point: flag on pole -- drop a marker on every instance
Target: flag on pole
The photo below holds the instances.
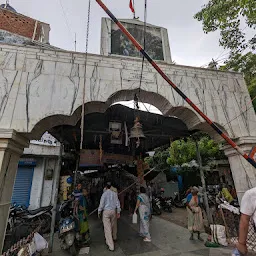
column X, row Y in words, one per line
column 131, row 6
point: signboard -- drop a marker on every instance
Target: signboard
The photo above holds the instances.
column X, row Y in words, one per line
column 27, row 162
column 47, row 140
column 90, row 157
column 116, row 133
column 121, row 45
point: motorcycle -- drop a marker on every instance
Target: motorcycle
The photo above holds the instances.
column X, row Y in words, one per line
column 69, row 235
column 156, row 206
column 177, row 202
column 166, row 204
column 19, row 216
column 22, row 222
column 38, row 217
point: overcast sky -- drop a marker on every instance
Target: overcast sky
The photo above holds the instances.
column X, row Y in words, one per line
column 189, row 45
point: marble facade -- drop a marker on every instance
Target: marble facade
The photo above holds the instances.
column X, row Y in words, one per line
column 42, row 88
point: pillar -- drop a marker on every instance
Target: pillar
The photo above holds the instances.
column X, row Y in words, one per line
column 244, row 174
column 11, row 148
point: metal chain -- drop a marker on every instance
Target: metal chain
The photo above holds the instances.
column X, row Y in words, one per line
column 85, row 69
column 144, row 43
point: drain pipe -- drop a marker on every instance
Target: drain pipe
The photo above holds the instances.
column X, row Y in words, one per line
column 54, row 210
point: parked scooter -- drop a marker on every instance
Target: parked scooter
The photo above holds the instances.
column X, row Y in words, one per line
column 69, row 235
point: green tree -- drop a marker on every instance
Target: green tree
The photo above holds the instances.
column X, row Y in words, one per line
column 228, row 17
column 159, row 160
column 184, row 151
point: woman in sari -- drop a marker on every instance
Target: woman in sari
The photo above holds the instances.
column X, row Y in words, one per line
column 83, row 217
column 195, row 217
column 143, row 204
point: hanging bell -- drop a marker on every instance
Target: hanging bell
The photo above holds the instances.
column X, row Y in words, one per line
column 136, row 130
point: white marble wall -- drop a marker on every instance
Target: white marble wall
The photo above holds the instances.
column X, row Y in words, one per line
column 37, row 83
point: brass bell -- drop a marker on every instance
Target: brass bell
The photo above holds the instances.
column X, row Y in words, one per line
column 136, row 130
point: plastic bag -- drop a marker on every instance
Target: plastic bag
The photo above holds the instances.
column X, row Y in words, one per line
column 135, row 218
column 219, row 232
column 40, row 242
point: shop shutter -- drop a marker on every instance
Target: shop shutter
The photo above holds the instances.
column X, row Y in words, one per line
column 22, row 186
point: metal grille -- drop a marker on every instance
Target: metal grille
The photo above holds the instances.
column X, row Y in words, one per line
column 231, row 221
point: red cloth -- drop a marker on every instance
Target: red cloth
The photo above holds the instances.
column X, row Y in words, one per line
column 131, row 6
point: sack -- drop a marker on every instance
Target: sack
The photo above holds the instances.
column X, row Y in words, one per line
column 219, row 232
column 135, row 218
column 40, row 242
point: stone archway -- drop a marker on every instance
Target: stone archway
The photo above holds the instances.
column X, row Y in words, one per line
column 40, row 88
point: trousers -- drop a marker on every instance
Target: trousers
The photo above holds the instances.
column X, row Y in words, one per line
column 109, row 219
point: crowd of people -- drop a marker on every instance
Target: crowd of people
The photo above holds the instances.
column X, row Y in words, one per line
column 111, row 203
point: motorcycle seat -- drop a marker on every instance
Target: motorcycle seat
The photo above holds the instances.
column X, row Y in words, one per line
column 36, row 211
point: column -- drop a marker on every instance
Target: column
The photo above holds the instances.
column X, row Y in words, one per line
column 11, row 148
column 244, row 174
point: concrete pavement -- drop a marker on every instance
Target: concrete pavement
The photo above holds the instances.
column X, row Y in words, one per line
column 167, row 239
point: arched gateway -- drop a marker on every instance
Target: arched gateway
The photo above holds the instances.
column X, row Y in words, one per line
column 42, row 88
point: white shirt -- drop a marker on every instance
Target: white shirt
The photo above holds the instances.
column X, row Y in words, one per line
column 109, row 201
column 248, row 203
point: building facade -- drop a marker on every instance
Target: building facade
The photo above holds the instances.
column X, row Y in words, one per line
column 34, row 183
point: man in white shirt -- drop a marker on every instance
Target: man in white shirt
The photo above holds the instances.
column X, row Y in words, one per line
column 110, row 206
column 248, row 211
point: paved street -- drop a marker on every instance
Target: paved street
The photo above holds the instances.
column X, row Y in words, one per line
column 167, row 239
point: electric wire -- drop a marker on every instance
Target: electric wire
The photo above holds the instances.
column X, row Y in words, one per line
column 251, row 101
column 66, row 21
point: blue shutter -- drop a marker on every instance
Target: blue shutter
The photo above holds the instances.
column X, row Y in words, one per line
column 22, row 186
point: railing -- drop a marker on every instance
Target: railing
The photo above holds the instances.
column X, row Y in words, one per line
column 230, row 220
column 20, row 244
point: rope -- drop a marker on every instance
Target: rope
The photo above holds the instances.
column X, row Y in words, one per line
column 144, row 44
column 85, row 69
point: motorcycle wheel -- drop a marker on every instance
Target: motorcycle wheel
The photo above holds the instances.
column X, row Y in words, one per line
column 157, row 211
column 46, row 228
column 73, row 250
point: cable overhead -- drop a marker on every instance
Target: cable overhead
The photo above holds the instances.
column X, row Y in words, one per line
column 251, row 101
column 144, row 45
column 67, row 22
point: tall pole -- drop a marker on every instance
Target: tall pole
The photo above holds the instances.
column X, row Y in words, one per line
column 76, row 170
column 199, row 160
column 54, row 210
column 168, row 80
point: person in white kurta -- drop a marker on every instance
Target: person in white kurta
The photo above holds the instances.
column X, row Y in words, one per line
column 110, row 206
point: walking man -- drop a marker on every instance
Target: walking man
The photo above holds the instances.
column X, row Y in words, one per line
column 110, row 210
